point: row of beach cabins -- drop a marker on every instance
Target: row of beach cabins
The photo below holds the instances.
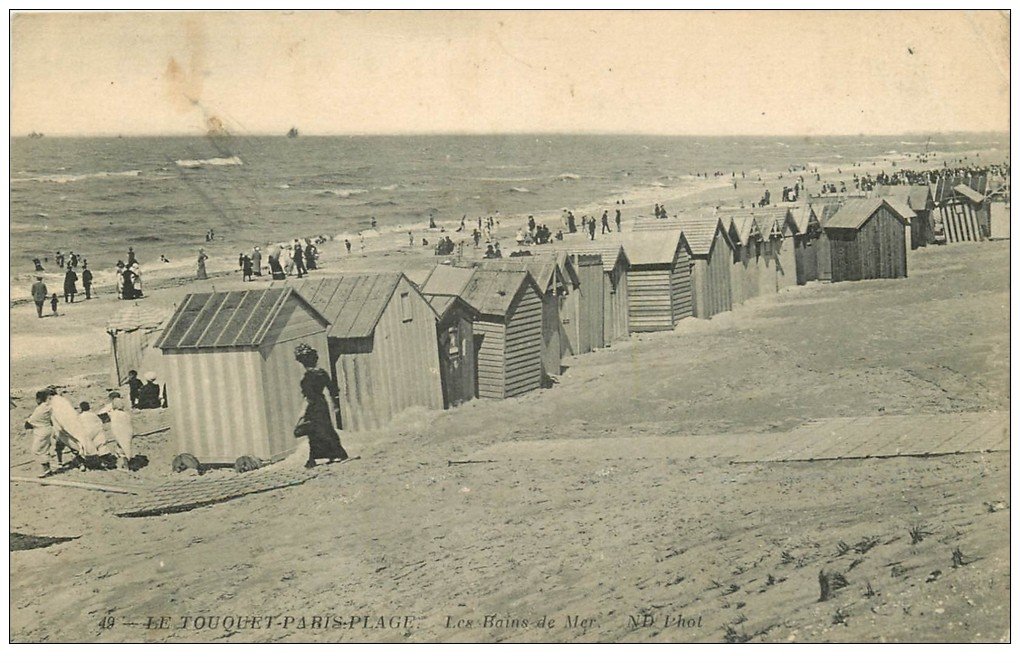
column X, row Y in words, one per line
column 493, row 328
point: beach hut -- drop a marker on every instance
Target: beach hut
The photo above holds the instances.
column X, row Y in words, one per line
column 658, row 280
column 753, row 271
column 919, row 199
column 779, row 246
column 614, row 291
column 231, row 377
column 457, row 353
column 961, row 208
column 824, row 210
column 710, row 249
column 509, row 325
column 132, row 332
column 998, row 213
column 867, row 240
column 382, row 345
column 545, row 270
column 589, row 302
column 806, row 229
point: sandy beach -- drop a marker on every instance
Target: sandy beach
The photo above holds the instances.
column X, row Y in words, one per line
column 601, row 524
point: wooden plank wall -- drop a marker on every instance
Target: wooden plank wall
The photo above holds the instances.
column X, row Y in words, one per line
column 786, row 261
column 959, row 224
column 768, row 283
column 712, row 289
column 400, row 371
column 590, row 304
column 524, row 345
column 614, row 294
column 491, row 366
column 806, row 255
column 650, row 301
column 876, row 250
column 681, row 286
column 551, row 352
column 824, row 253
column 569, row 329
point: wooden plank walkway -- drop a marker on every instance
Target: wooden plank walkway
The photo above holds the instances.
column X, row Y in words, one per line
column 827, row 439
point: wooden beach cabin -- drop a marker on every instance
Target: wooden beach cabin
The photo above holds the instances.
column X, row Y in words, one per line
column 457, row 353
column 658, row 281
column 779, row 249
column 545, row 270
column 614, row 292
column 807, row 230
column 961, row 209
column 508, row 331
column 132, row 332
column 825, row 210
column 919, row 199
column 382, row 345
column 748, row 269
column 710, row 249
column 231, row 377
column 867, row 240
column 587, row 312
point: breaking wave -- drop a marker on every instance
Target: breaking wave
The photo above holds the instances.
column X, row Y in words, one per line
column 216, row 161
column 64, row 179
column 342, row 193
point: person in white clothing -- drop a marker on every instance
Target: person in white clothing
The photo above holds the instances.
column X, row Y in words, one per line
column 123, row 432
column 95, row 436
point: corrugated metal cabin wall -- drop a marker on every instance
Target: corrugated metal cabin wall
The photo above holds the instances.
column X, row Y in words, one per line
column 126, row 354
column 700, row 289
column 220, row 413
column 786, row 262
column 281, row 389
column 737, row 294
column 719, row 263
column 353, row 368
column 523, row 344
column 403, row 363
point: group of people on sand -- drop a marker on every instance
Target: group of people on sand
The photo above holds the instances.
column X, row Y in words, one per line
column 282, row 260
column 129, row 277
column 58, row 429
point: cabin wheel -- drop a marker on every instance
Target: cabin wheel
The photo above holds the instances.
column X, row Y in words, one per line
column 247, row 464
column 184, row 462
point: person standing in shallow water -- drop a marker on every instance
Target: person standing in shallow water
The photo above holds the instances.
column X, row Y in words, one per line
column 316, row 423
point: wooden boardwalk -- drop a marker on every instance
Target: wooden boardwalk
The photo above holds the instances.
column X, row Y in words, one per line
column 826, row 439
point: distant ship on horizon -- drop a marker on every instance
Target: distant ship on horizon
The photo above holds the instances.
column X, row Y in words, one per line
column 35, row 134
column 293, row 133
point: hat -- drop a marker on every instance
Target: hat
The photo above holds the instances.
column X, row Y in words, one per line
column 150, row 376
column 117, row 404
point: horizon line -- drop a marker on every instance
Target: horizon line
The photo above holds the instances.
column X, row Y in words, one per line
column 283, row 134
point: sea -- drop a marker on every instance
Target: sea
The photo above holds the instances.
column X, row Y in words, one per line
column 159, row 195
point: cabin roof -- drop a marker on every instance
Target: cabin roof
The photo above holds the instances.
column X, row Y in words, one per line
column 226, row 319
column 443, row 304
column 652, row 247
column 853, row 213
column 609, row 253
column 351, row 303
column 901, row 207
column 801, row 216
column 916, row 196
column 135, row 317
column 490, row 291
column 544, row 267
column 969, row 193
column 744, row 225
column 700, row 234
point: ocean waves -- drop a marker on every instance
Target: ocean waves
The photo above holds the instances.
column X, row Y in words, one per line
column 215, row 161
column 67, row 179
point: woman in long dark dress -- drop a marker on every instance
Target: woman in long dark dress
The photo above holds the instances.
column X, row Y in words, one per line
column 315, row 423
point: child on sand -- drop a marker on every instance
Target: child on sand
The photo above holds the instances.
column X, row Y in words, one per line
column 53, row 303
column 40, row 424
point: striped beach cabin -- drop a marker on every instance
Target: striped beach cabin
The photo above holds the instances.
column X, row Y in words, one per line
column 961, row 208
column 711, row 254
column 231, row 377
column 658, row 281
column 382, row 345
column 508, row 330
column 132, row 332
column 868, row 240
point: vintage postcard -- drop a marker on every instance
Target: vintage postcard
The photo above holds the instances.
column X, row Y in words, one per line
column 509, row 326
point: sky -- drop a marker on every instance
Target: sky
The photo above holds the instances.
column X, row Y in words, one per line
column 703, row 73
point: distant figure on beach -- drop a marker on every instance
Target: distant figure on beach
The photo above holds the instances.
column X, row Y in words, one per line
column 127, row 290
column 361, row 238
column 53, row 303
column 256, row 261
column 246, row 270
column 373, row 223
column 131, row 256
column 38, row 265
column 202, row 257
column 39, row 294
column 618, row 220
column 86, row 280
column 571, row 222
column 316, row 423
column 476, row 235
column 70, row 289
column 163, row 258
column 432, row 221
column 60, row 260
column 275, row 268
column 410, row 238
column 605, row 222
column 311, row 256
column 347, row 243
column 298, row 257
column 591, row 228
